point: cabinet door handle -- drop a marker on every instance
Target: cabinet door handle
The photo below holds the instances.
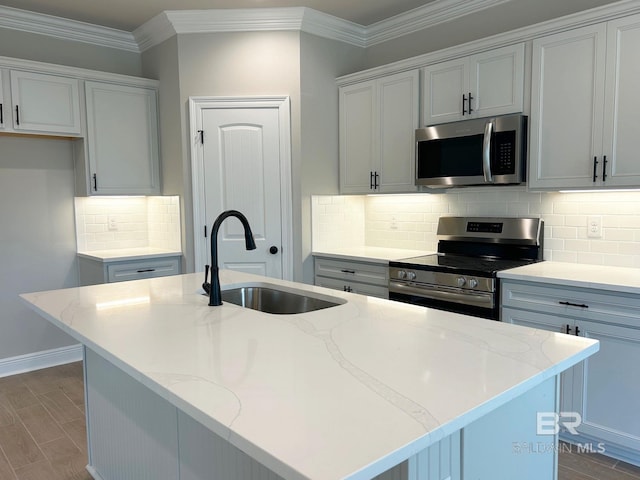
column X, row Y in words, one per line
column 344, row 270
column 17, row 115
column 595, row 167
column 375, row 180
column 464, row 100
column 581, row 305
column 577, row 330
column 567, row 329
column 604, row 168
column 470, row 98
column 95, row 182
column 371, row 180
column 146, row 270
column 1, row 115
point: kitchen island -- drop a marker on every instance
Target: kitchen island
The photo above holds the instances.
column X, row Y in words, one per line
column 178, row 389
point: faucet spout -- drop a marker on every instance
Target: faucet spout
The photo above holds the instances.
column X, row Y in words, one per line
column 215, row 296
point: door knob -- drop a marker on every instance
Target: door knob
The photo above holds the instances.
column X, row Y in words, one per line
column 273, row 250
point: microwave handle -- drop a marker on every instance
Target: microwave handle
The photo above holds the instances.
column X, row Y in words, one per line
column 486, row 152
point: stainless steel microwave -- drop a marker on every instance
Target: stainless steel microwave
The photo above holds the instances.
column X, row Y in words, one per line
column 482, row 151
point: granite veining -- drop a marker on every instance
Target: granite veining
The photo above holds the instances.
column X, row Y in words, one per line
column 344, row 392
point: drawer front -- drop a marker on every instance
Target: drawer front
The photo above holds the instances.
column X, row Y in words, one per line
column 353, row 287
column 581, row 303
column 158, row 267
column 372, row 273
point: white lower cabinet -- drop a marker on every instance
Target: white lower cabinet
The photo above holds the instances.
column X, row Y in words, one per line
column 358, row 277
column 93, row 271
column 605, row 388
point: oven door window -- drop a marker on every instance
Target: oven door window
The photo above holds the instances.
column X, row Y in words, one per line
column 450, row 157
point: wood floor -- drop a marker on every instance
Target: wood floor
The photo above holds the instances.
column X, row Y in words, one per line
column 42, row 432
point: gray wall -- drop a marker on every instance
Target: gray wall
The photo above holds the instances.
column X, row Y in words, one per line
column 41, row 48
column 37, row 238
column 502, row 18
column 321, row 61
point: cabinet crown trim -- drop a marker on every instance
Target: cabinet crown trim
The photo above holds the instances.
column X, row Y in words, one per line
column 67, row 29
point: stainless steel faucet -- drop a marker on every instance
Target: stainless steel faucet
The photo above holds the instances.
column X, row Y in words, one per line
column 215, row 296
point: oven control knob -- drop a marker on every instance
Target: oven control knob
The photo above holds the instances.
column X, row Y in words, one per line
column 473, row 283
column 462, row 281
column 402, row 274
column 411, row 275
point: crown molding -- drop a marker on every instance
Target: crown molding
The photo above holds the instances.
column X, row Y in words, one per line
column 64, row 29
column 430, row 15
column 173, row 22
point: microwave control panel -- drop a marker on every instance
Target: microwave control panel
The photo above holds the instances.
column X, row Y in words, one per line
column 503, row 161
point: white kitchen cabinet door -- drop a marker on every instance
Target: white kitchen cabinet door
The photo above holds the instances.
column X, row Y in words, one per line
column 122, row 139
column 567, row 101
column 378, row 119
column 3, row 106
column 482, row 85
column 497, row 81
column 444, row 85
column 45, row 103
column 607, row 385
column 398, row 110
column 622, row 104
column 358, row 145
column 550, row 323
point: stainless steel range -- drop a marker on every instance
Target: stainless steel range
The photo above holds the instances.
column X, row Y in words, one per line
column 462, row 276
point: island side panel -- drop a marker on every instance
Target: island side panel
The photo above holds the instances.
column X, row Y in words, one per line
column 131, row 430
column 504, row 443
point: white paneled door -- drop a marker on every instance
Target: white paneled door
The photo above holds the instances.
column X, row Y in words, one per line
column 243, row 157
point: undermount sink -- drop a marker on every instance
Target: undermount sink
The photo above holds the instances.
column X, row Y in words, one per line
column 276, row 300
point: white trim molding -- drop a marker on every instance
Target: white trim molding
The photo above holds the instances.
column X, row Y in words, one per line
column 283, row 104
column 66, row 29
column 39, row 360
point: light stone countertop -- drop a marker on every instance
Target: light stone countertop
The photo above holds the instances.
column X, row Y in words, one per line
column 345, row 392
column 128, row 254
column 381, row 255
column 617, row 279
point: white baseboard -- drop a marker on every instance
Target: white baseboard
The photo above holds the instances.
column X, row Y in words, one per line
column 39, row 360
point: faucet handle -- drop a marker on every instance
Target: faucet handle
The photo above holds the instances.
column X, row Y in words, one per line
column 206, row 286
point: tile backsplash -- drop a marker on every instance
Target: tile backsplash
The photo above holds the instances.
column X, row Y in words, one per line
column 107, row 223
column 410, row 221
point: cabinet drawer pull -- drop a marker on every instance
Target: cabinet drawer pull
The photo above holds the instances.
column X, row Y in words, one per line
column 344, row 270
column 146, row 270
column 581, row 305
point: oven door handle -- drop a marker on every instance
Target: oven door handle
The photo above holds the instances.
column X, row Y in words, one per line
column 435, row 292
column 486, row 152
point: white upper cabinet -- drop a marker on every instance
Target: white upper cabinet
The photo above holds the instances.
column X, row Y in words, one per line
column 482, row 85
column 377, row 123
column 42, row 103
column 622, row 104
column 122, row 140
column 584, row 105
column 3, row 105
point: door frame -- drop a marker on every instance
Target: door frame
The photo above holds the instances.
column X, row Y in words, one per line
column 196, row 105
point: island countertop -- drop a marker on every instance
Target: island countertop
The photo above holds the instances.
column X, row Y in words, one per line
column 344, row 392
